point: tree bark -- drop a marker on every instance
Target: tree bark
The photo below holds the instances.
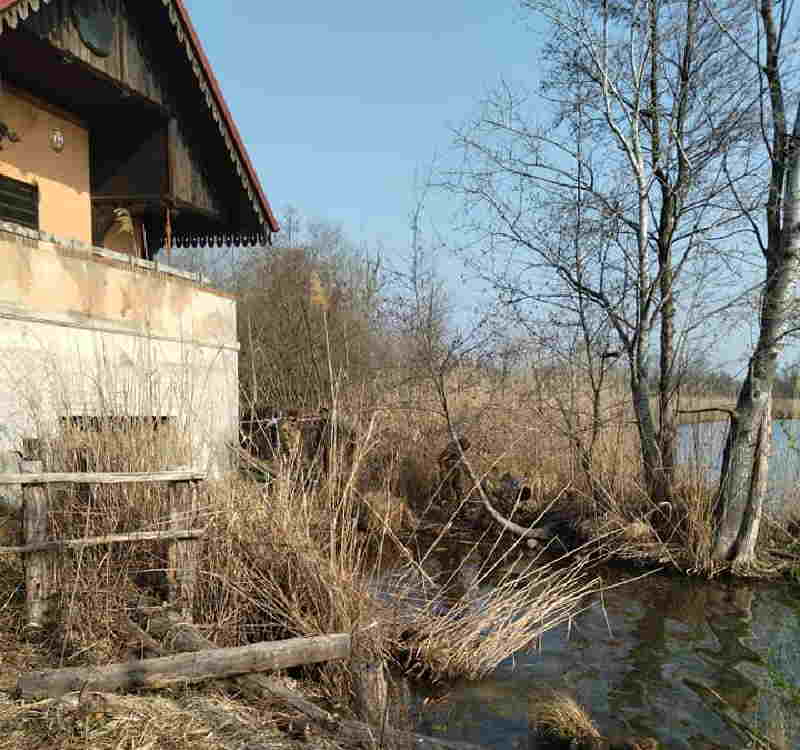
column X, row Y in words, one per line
column 751, row 522
column 648, row 439
column 186, row 668
column 741, row 495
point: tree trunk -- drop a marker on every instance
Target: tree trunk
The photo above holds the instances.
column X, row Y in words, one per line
column 751, row 522
column 745, row 462
column 667, row 427
column 652, row 473
column 740, row 498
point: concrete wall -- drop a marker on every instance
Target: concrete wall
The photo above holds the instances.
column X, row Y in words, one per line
column 84, row 334
column 63, row 178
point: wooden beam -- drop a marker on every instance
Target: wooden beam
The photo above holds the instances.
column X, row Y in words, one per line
column 182, row 553
column 38, row 563
column 172, row 144
column 96, row 541
column 185, row 668
column 186, row 475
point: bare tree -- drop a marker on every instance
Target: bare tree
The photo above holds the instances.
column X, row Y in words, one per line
column 432, row 345
column 653, row 124
column 744, row 468
column 309, row 317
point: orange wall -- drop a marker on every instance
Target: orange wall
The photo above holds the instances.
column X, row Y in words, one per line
column 41, row 280
column 63, row 178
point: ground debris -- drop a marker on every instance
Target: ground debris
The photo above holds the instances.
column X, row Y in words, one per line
column 104, row 721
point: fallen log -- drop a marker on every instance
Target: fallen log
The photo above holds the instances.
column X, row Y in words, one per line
column 186, row 668
column 177, row 634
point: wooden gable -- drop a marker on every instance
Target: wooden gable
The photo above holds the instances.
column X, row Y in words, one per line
column 162, row 138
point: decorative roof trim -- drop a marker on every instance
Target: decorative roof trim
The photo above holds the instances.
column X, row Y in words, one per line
column 14, row 11
column 187, row 37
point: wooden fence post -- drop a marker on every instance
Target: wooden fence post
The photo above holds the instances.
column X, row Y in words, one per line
column 182, row 553
column 38, row 565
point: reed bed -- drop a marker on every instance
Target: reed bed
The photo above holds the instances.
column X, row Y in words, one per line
column 293, row 556
column 349, row 547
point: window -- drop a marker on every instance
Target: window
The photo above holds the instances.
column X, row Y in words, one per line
column 19, row 202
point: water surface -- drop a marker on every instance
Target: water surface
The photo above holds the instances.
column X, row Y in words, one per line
column 701, row 445
column 698, row 665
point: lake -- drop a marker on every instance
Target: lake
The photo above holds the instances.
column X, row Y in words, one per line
column 701, row 445
column 695, row 664
column 699, row 665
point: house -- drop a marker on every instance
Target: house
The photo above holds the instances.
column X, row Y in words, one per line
column 116, row 145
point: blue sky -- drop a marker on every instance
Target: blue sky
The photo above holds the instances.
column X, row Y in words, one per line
column 340, row 104
column 343, row 105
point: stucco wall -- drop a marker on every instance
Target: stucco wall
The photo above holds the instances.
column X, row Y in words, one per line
column 62, row 178
column 77, row 287
column 86, row 337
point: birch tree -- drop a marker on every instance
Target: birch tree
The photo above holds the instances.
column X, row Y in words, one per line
column 745, row 459
column 666, row 125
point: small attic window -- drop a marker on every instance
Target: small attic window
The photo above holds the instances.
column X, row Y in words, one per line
column 19, row 202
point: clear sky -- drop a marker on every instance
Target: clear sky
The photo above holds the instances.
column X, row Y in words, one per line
column 340, row 104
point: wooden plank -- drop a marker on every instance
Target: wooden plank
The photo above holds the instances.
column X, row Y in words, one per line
column 38, row 564
column 183, row 551
column 183, row 475
column 172, row 146
column 96, row 541
column 186, row 668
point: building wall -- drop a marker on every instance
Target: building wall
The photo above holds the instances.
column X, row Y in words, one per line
column 63, row 178
column 82, row 335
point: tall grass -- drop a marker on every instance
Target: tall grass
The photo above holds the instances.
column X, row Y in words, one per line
column 311, row 551
column 314, row 551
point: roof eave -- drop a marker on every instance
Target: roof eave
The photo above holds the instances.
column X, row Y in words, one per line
column 226, row 113
column 194, row 48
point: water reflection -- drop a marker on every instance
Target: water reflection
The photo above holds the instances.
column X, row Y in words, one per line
column 680, row 660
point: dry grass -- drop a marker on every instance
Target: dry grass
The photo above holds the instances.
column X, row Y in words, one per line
column 557, row 715
column 632, row 527
column 501, row 614
column 297, row 559
column 288, row 558
column 516, row 424
column 711, row 408
column 309, row 553
column 197, row 722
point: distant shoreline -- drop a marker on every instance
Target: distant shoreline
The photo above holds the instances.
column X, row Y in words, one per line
column 782, row 408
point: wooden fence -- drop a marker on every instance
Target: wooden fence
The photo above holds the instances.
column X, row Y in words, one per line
column 38, row 552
